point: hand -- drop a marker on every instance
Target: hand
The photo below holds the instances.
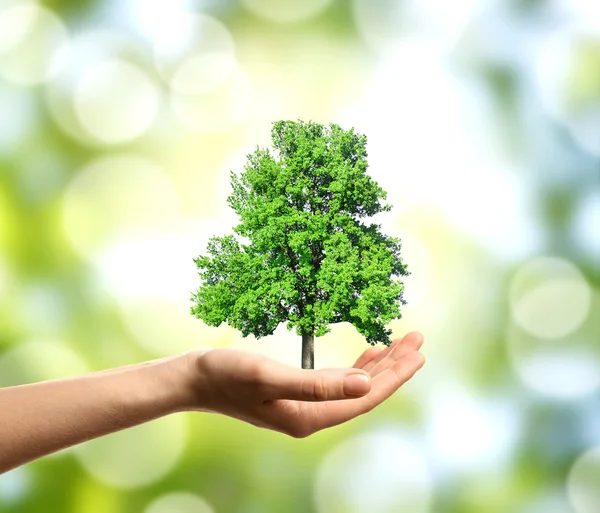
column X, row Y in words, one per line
column 268, row 394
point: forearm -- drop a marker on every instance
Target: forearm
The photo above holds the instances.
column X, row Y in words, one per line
column 41, row 418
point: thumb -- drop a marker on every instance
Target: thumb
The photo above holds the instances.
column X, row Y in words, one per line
column 323, row 385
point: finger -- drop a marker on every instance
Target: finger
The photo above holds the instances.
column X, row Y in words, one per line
column 410, row 342
column 366, row 357
column 323, row 385
column 413, row 341
column 383, row 386
column 382, row 354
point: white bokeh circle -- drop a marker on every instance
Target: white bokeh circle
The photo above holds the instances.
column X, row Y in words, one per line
column 549, row 297
column 138, row 456
column 379, row 471
column 465, row 432
column 203, row 73
column 154, row 20
column 34, row 43
column 286, row 11
column 220, row 109
column 116, row 197
column 195, row 54
column 179, row 502
column 583, row 482
column 564, row 369
column 116, row 101
column 562, row 375
column 89, row 51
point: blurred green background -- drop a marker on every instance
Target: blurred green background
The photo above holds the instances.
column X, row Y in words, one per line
column 119, row 123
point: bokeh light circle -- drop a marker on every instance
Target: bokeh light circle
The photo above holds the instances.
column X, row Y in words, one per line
column 380, row 472
column 179, row 502
column 115, row 101
column 203, row 73
column 583, row 482
column 33, row 43
column 137, row 456
column 154, row 20
column 549, row 297
column 562, row 375
column 89, row 51
column 286, row 11
column 218, row 110
column 465, row 432
column 40, row 359
column 561, row 369
column 115, row 197
column 195, row 54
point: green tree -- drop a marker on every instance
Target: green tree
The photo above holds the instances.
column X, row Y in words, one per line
column 306, row 257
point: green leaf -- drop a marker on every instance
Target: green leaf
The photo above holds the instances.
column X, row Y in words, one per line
column 310, row 260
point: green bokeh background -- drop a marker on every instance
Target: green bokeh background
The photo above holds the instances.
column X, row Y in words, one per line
column 483, row 120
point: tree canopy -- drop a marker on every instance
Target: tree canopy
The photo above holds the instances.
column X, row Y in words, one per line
column 303, row 252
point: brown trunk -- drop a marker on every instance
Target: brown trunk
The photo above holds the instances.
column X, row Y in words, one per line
column 308, row 351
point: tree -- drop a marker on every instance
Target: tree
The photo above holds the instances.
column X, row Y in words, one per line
column 306, row 257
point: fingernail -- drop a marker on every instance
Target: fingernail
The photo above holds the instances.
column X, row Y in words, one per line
column 357, row 384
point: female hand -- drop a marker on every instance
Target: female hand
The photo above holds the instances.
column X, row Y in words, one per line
column 263, row 392
column 40, row 418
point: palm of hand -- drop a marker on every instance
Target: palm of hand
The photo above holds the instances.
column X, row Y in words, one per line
column 268, row 394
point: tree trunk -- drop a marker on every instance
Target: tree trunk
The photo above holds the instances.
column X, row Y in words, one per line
column 308, row 351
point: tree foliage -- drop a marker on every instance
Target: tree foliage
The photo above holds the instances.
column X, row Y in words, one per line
column 302, row 252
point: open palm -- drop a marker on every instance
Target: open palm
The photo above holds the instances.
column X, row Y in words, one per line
column 269, row 394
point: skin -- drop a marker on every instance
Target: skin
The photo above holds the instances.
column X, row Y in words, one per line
column 41, row 418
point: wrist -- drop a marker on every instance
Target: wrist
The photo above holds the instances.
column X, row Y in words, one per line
column 155, row 388
column 174, row 383
column 195, row 392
